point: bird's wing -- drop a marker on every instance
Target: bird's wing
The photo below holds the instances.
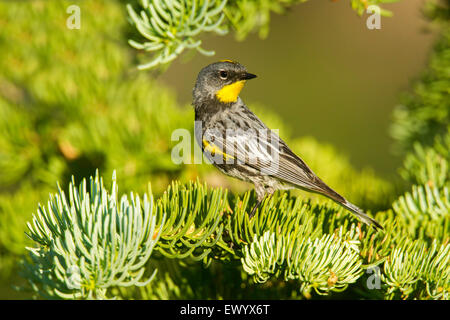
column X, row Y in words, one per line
column 271, row 156
column 264, row 151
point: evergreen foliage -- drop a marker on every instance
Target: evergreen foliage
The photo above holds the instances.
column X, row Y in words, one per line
column 319, row 246
column 425, row 112
column 91, row 242
column 168, row 27
column 430, row 164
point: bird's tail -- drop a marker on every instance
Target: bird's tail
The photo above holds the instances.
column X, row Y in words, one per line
column 322, row 188
column 360, row 214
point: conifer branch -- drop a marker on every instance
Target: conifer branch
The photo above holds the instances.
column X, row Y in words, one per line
column 288, row 239
column 91, row 241
column 168, row 27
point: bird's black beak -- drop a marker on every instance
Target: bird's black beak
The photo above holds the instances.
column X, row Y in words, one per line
column 248, row 76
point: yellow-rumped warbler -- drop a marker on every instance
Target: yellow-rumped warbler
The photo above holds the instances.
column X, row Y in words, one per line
column 242, row 146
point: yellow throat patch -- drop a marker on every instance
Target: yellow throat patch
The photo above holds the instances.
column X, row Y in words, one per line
column 230, row 92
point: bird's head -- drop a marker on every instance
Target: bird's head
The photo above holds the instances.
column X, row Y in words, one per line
column 222, row 81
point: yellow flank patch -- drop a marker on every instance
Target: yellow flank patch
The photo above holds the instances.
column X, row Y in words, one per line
column 212, row 149
column 230, row 92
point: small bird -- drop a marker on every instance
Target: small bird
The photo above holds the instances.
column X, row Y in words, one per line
column 240, row 145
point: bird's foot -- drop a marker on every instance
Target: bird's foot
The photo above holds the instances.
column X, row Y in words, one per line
column 252, row 213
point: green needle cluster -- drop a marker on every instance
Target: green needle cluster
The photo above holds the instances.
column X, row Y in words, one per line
column 91, row 241
column 319, row 246
column 171, row 26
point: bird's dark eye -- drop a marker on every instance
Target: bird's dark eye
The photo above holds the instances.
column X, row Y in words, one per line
column 223, row 74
